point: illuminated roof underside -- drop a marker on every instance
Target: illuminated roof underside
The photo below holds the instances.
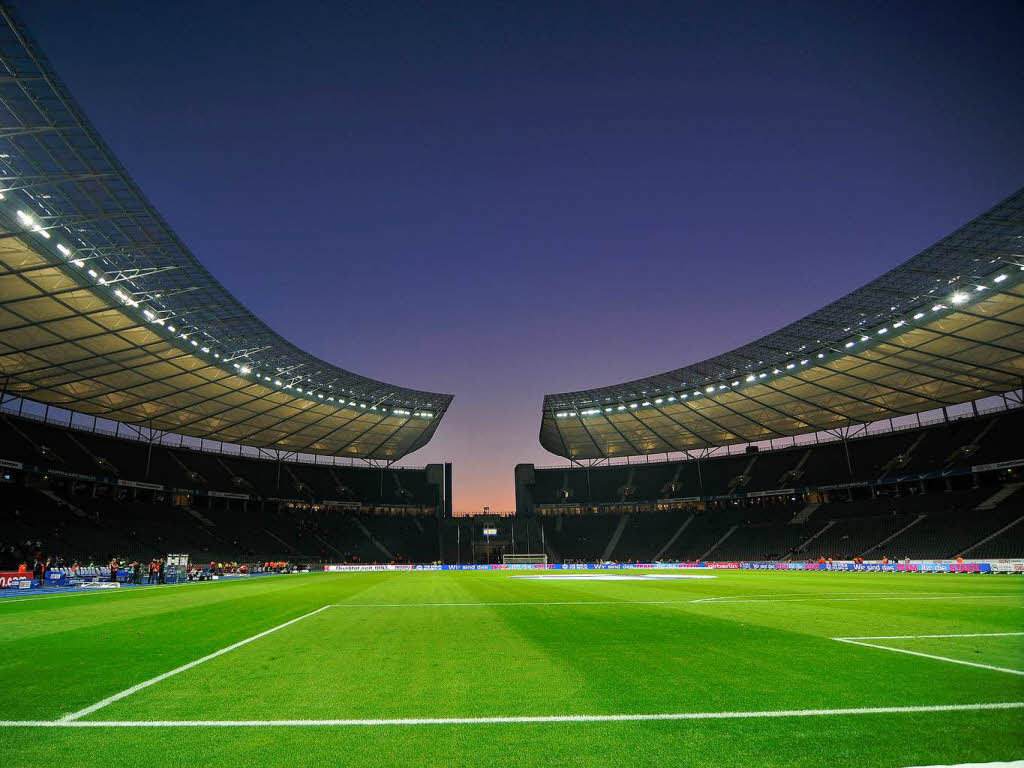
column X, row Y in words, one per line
column 945, row 327
column 103, row 310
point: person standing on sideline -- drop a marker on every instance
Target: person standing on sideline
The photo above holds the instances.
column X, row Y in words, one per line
column 160, row 562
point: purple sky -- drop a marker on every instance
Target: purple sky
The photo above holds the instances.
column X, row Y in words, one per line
column 501, row 202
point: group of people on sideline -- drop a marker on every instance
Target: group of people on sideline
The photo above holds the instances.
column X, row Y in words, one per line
column 154, row 571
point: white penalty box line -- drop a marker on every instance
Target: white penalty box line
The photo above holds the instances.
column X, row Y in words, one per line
column 525, row 719
column 864, row 642
column 74, row 716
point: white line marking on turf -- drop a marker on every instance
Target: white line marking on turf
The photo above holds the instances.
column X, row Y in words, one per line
column 703, row 601
column 611, row 576
column 93, row 593
column 920, row 637
column 153, row 681
column 1014, row 764
column 515, row 719
column 132, row 590
column 1007, row 670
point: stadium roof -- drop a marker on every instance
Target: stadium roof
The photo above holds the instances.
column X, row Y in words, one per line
column 945, row 327
column 103, row 309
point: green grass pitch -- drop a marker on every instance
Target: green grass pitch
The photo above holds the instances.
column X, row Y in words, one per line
column 401, row 646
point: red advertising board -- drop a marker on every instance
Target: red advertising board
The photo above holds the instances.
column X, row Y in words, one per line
column 7, row 576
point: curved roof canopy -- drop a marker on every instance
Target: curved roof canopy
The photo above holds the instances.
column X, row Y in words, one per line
column 103, row 309
column 945, row 327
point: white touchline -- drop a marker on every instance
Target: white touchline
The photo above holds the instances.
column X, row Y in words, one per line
column 701, row 601
column 128, row 590
column 921, row 637
column 93, row 593
column 1007, row 670
column 513, row 719
column 153, row 681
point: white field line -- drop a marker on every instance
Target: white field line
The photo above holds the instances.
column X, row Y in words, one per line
column 975, row 664
column 921, row 637
column 413, row 721
column 131, row 590
column 94, row 593
column 153, row 681
column 701, row 601
column 999, row 764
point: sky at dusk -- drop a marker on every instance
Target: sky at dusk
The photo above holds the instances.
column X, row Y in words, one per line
column 505, row 200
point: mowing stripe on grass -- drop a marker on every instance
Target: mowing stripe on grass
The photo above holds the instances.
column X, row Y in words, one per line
column 1007, row 670
column 503, row 720
column 153, row 681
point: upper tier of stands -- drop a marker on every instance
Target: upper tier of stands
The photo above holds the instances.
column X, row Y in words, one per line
column 947, row 449
column 60, row 450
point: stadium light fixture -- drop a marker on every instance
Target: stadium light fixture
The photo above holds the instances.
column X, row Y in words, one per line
column 999, row 279
column 919, row 315
column 959, row 297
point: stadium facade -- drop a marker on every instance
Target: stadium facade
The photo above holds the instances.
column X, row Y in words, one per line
column 105, row 311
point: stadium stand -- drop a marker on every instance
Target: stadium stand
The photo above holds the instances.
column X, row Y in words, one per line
column 918, row 492
column 87, row 495
column 913, row 492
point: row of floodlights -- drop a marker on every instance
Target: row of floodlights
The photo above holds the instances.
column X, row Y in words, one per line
column 957, row 299
column 32, row 225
